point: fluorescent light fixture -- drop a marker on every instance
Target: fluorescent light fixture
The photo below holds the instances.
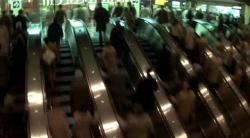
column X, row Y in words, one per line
column 237, row 7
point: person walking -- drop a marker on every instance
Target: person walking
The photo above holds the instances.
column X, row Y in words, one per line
column 101, row 16
column 21, row 18
column 55, row 32
column 131, row 8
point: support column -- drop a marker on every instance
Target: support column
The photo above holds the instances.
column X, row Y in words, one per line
column 246, row 14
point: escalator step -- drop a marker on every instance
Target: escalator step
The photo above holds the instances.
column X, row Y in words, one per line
column 65, row 62
column 64, row 79
column 64, row 89
column 65, row 55
column 63, row 99
column 65, row 71
column 70, row 121
column 64, row 50
column 67, row 109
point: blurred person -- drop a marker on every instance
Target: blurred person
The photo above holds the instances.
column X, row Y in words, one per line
column 164, row 66
column 8, row 103
column 60, row 15
column 55, row 32
column 49, row 60
column 202, row 44
column 110, row 60
column 4, row 40
column 84, row 120
column 146, row 12
column 199, row 15
column 21, row 18
column 80, row 94
column 131, row 8
column 58, row 124
column 230, row 62
column 212, row 69
column 7, row 21
column 139, row 123
column 19, row 52
column 127, row 15
column 145, row 93
column 178, row 31
column 116, row 78
column 162, row 15
column 185, row 100
column 82, row 13
column 190, row 17
column 101, row 16
column 117, row 10
column 4, row 75
column 190, row 46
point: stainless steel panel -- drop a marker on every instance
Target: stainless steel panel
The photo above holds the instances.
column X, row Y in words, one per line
column 36, row 99
column 110, row 124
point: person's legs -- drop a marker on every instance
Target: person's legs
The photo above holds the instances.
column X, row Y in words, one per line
column 100, row 38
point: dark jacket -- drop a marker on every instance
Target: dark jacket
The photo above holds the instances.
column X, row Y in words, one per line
column 55, row 32
column 101, row 17
column 117, row 11
column 23, row 21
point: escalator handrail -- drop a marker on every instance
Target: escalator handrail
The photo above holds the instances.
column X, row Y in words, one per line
column 204, row 95
column 235, row 89
column 110, row 126
column 35, row 89
column 228, row 80
column 165, row 106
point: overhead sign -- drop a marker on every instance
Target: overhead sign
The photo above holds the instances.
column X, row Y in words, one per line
column 160, row 2
column 16, row 5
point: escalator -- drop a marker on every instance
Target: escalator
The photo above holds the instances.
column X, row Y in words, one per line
column 41, row 99
column 233, row 104
column 137, row 67
column 129, row 72
column 206, row 110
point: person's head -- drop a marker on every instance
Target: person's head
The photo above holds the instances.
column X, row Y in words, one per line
column 11, row 12
column 78, row 6
column 162, row 7
column 189, row 15
column 60, row 6
column 118, row 4
column 99, row 4
column 129, row 3
column 20, row 12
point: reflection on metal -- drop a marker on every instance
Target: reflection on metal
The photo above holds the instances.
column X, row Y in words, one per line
column 81, row 39
column 37, row 122
column 98, row 87
column 110, row 126
column 220, row 119
column 35, row 98
column 34, row 29
column 187, row 65
column 236, row 91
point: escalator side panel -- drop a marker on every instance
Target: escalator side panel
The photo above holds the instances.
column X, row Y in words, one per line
column 108, row 119
column 36, row 96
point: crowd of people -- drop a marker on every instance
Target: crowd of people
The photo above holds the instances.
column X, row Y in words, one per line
column 13, row 54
